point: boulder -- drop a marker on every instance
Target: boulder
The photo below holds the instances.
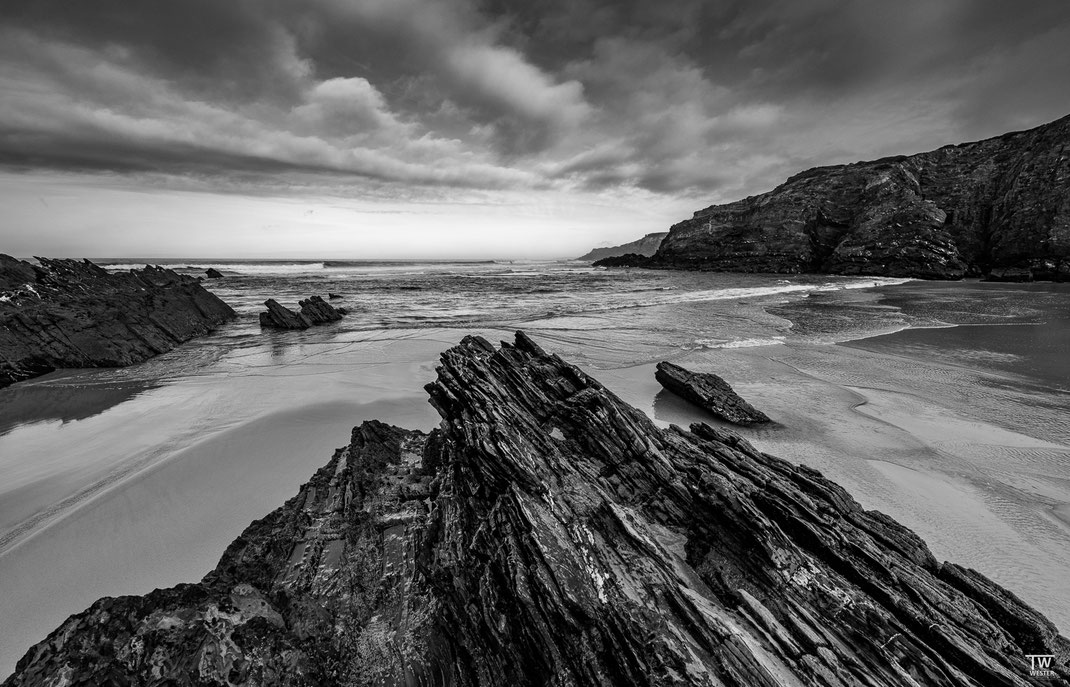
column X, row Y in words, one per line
column 319, row 311
column 709, row 392
column 280, row 317
column 213, row 273
column 547, row 533
column 333, row 296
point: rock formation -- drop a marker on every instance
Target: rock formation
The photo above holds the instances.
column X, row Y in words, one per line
column 333, row 296
column 314, row 310
column 709, row 392
column 279, row 316
column 971, row 209
column 646, row 246
column 67, row 313
column 213, row 273
column 318, row 311
column 546, row 533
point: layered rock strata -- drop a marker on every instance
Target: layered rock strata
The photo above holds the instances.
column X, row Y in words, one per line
column 314, row 310
column 972, row 209
column 278, row 316
column 709, row 392
column 319, row 311
column 70, row 313
column 546, row 533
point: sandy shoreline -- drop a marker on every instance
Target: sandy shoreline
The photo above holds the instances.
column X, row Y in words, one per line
column 237, row 446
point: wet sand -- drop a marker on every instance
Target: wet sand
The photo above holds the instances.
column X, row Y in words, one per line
column 148, row 491
column 976, row 461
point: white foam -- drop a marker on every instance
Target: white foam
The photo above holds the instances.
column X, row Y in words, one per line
column 239, row 268
column 741, row 343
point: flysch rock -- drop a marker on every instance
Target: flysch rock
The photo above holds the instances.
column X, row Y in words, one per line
column 278, row 316
column 998, row 207
column 546, row 533
column 314, row 310
column 319, row 311
column 709, row 392
column 70, row 313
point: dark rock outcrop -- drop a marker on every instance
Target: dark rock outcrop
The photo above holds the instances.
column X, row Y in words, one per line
column 546, row 533
column 70, row 313
column 278, row 316
column 970, row 209
column 314, row 310
column 647, row 246
column 709, row 392
column 319, row 311
column 213, row 273
column 333, row 296
column 626, row 260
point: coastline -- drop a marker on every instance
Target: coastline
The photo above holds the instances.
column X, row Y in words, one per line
column 295, row 403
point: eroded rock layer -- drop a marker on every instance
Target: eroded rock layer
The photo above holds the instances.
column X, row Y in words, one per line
column 977, row 208
column 546, row 533
column 709, row 392
column 70, row 313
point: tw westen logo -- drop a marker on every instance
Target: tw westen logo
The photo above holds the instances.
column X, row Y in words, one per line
column 1040, row 665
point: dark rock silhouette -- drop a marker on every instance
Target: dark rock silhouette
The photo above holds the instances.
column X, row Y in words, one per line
column 970, row 209
column 710, row 392
column 213, row 273
column 647, row 246
column 333, row 296
column 546, row 533
column 314, row 310
column 70, row 313
column 279, row 316
column 318, row 311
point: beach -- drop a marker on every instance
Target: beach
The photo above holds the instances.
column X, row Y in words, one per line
column 121, row 481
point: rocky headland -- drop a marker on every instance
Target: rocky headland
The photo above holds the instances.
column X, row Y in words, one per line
column 546, row 533
column 646, row 246
column 998, row 208
column 70, row 313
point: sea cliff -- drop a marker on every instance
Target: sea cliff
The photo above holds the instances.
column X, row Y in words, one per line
column 548, row 533
column 998, row 208
column 646, row 246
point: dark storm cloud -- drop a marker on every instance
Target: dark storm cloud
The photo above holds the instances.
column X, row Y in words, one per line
column 717, row 99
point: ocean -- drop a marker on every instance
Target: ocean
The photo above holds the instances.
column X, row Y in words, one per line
column 944, row 405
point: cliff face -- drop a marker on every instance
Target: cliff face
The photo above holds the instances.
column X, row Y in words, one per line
column 546, row 533
column 66, row 313
column 647, row 246
column 996, row 206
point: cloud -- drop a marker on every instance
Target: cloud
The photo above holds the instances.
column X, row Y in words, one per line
column 681, row 98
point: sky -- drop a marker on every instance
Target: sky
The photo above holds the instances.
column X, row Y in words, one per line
column 475, row 128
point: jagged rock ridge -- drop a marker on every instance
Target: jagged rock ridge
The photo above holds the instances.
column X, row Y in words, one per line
column 647, row 246
column 70, row 313
column 546, row 533
column 978, row 208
